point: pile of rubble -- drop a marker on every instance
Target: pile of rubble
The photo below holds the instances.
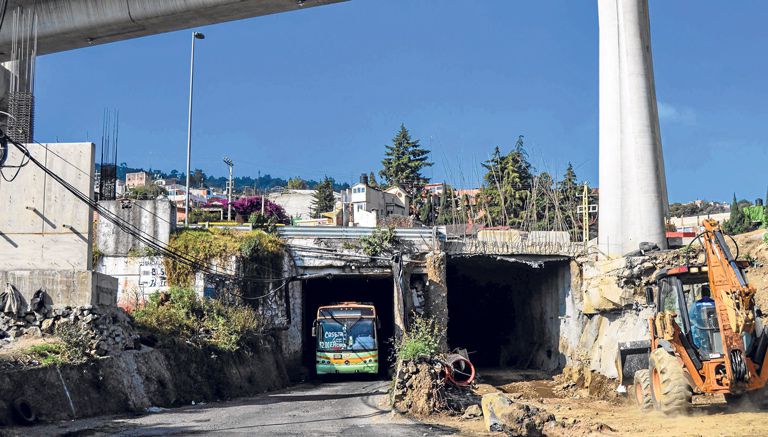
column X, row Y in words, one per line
column 421, row 389
column 104, row 331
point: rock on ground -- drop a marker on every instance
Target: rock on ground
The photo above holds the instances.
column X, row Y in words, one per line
column 503, row 414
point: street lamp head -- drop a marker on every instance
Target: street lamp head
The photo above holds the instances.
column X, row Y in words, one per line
column 198, row 35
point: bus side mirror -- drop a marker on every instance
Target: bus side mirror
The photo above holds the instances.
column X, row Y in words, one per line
column 378, row 323
column 314, row 329
column 649, row 296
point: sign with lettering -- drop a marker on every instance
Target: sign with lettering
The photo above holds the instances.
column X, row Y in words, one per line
column 152, row 276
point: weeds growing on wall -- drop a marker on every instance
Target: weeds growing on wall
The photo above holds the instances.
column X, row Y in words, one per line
column 221, row 245
column 181, row 314
column 380, row 241
column 422, row 339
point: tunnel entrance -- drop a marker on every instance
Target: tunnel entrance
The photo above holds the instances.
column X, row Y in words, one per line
column 507, row 313
column 377, row 290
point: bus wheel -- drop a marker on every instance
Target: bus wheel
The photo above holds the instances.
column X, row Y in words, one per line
column 642, row 390
column 670, row 391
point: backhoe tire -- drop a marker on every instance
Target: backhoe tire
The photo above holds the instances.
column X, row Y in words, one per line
column 642, row 390
column 670, row 390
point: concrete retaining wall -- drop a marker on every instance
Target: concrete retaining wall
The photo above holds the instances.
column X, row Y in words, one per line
column 136, row 380
column 64, row 287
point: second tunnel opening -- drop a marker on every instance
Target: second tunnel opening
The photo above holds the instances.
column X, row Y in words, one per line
column 507, row 312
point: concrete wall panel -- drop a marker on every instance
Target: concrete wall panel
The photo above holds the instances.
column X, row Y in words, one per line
column 43, row 225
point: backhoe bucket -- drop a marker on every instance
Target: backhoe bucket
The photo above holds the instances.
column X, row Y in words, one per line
column 632, row 356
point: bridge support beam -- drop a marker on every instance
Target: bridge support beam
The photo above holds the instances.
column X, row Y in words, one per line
column 633, row 192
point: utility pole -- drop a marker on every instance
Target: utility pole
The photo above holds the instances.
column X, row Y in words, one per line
column 585, row 214
column 585, row 209
column 263, row 200
column 229, row 188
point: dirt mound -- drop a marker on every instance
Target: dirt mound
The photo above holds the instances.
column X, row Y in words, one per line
column 421, row 389
column 753, row 248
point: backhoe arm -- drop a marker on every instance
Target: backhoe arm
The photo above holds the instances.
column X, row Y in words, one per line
column 734, row 299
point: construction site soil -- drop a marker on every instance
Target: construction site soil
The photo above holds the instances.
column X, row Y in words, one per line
column 604, row 412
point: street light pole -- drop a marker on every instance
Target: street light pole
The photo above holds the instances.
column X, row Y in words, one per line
column 229, row 190
column 195, row 35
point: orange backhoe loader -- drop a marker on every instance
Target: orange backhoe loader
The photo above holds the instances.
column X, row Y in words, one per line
column 705, row 336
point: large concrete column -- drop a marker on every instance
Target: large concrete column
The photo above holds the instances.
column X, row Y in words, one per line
column 633, row 198
column 610, row 220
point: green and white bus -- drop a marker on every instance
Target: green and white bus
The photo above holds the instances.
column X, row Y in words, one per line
column 347, row 341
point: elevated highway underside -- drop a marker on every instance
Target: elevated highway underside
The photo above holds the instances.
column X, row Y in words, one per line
column 70, row 24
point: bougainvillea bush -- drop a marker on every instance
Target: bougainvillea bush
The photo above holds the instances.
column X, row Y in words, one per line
column 245, row 206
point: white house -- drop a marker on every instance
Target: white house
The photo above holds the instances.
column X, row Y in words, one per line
column 297, row 203
column 369, row 203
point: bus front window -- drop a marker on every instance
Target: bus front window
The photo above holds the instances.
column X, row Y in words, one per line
column 331, row 336
column 346, row 335
column 362, row 335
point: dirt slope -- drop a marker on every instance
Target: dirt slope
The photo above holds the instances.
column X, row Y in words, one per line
column 752, row 246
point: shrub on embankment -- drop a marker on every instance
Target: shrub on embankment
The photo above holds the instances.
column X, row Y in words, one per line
column 263, row 251
column 181, row 314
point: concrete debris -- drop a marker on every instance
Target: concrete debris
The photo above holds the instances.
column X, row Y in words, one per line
column 501, row 413
column 421, row 389
column 108, row 331
column 472, row 412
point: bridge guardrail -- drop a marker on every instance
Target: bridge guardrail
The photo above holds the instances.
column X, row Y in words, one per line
column 339, row 232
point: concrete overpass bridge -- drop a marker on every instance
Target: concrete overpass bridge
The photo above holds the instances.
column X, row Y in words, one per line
column 72, row 24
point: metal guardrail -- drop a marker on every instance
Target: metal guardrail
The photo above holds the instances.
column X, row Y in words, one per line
column 238, row 227
column 339, row 232
column 518, row 247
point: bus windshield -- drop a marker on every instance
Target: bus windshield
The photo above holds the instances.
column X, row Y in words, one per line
column 343, row 334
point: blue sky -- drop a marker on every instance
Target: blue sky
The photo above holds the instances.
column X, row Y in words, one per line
column 321, row 91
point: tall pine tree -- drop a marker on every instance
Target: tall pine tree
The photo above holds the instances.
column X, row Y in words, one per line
column 372, row 180
column 404, row 160
column 570, row 198
column 507, row 185
column 323, row 200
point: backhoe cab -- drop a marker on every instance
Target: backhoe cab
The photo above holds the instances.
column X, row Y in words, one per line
column 705, row 338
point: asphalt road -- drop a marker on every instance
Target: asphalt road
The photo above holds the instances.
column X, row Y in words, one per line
column 350, row 408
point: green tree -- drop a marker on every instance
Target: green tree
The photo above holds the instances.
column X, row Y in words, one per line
column 738, row 222
column 444, row 215
column 323, row 200
column 404, row 160
column 372, row 180
column 425, row 212
column 570, row 193
column 144, row 192
column 543, row 204
column 765, row 205
column 297, row 183
column 507, row 185
column 197, row 178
